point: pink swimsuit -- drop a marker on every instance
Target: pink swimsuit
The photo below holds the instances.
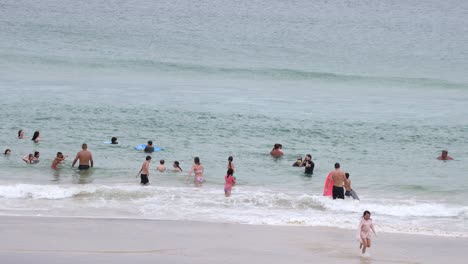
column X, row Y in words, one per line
column 229, row 182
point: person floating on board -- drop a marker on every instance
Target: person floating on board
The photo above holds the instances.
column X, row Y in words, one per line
column 114, row 140
column 149, row 147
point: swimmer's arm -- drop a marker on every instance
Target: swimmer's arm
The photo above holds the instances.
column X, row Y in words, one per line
column 25, row 158
column 142, row 166
column 76, row 159
column 191, row 170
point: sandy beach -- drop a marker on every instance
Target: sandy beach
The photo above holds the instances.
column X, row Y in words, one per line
column 81, row 240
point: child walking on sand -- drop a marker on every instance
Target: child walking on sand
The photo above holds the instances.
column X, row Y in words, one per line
column 364, row 231
column 230, row 180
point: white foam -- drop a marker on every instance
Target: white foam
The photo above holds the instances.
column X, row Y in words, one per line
column 44, row 191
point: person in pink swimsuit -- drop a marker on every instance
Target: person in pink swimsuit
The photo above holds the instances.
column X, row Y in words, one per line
column 230, row 180
column 197, row 168
column 364, row 231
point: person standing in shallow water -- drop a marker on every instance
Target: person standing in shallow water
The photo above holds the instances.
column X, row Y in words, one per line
column 85, row 157
column 36, row 137
column 230, row 181
column 339, row 178
column 144, row 171
column 198, row 169
column 308, row 165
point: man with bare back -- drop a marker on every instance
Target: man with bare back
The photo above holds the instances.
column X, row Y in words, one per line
column 85, row 157
column 339, row 178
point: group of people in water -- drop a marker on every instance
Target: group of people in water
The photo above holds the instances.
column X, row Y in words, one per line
column 337, row 183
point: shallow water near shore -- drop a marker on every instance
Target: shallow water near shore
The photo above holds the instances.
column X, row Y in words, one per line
column 383, row 112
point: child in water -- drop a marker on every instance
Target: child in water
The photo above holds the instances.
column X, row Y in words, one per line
column 298, row 162
column 364, row 231
column 58, row 160
column 230, row 180
column 29, row 159
column 176, row 166
column 161, row 167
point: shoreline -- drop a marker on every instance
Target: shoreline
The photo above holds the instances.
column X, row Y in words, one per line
column 114, row 218
column 89, row 240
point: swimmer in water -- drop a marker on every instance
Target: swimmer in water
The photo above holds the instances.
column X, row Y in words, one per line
column 197, row 168
column 444, row 156
column 176, row 166
column 114, row 141
column 298, row 162
column 36, row 137
column 21, row 134
column 161, row 167
column 58, row 160
column 29, row 159
column 277, row 150
column 36, row 156
column 7, row 152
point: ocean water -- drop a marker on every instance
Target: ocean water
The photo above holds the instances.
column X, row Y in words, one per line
column 380, row 87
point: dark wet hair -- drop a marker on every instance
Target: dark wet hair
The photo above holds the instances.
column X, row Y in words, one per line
column 59, row 153
column 84, row 145
column 6, row 150
column 337, row 165
column 365, row 212
column 36, row 153
column 150, row 142
column 148, row 157
column 308, row 155
column 113, row 139
column 176, row 163
column 230, row 160
column 35, row 136
column 230, row 172
column 19, row 132
column 161, row 162
column 347, row 175
column 196, row 160
column 276, row 146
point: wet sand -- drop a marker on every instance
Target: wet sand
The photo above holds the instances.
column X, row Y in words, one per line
column 84, row 240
